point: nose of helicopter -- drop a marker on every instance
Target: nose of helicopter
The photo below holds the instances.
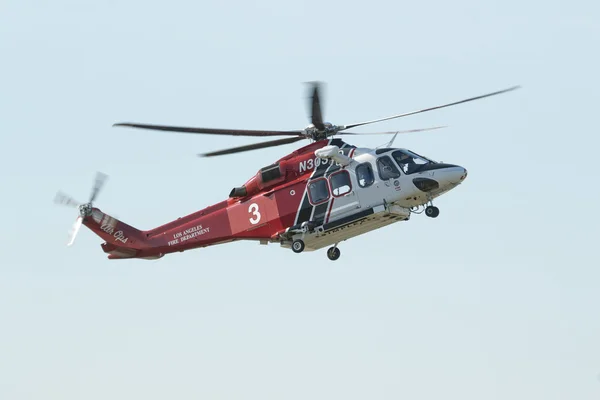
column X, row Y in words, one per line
column 441, row 176
column 454, row 174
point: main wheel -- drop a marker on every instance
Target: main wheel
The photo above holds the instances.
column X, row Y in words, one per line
column 432, row 211
column 333, row 253
column 297, row 246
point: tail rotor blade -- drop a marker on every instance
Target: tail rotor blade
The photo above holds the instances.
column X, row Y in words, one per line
column 100, row 180
column 74, row 230
column 66, row 200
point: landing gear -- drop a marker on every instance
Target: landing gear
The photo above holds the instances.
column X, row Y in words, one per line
column 298, row 246
column 432, row 211
column 333, row 253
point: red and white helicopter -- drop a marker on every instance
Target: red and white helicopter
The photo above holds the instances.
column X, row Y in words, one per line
column 317, row 196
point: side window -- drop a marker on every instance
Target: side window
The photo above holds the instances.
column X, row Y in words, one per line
column 386, row 168
column 364, row 175
column 318, row 191
column 340, row 183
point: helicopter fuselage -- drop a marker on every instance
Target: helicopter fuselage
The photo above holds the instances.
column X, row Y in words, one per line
column 319, row 195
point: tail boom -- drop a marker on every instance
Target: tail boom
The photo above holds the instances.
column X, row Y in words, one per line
column 124, row 241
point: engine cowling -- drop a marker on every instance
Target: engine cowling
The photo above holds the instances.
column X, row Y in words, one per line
column 266, row 177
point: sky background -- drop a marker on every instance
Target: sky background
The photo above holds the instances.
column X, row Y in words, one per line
column 497, row 298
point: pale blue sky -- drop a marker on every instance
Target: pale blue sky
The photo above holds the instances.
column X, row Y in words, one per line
column 497, row 298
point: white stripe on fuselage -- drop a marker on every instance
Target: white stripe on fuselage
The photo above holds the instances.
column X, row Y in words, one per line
column 329, row 203
column 305, row 194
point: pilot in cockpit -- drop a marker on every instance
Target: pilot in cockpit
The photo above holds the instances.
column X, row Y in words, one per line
column 406, row 162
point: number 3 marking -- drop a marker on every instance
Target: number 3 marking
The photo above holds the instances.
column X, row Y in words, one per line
column 253, row 209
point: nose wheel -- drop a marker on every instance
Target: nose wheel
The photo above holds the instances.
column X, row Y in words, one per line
column 432, row 211
column 333, row 253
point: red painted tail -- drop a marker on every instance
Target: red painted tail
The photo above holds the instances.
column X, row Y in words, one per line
column 122, row 240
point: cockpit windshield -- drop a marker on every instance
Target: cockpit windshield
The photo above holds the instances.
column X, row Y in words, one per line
column 410, row 162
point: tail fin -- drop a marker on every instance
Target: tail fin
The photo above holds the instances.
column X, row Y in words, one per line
column 122, row 240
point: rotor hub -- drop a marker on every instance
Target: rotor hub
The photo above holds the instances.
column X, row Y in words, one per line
column 314, row 133
column 85, row 210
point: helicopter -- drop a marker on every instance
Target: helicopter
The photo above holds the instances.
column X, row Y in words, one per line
column 318, row 196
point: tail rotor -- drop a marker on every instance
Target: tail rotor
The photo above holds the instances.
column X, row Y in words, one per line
column 74, row 230
column 85, row 209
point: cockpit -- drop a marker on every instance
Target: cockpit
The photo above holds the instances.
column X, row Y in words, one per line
column 408, row 161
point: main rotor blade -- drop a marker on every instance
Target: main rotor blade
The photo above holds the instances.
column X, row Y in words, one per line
column 255, row 146
column 316, row 115
column 210, row 131
column 392, row 132
column 100, row 180
column 429, row 109
column 66, row 200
